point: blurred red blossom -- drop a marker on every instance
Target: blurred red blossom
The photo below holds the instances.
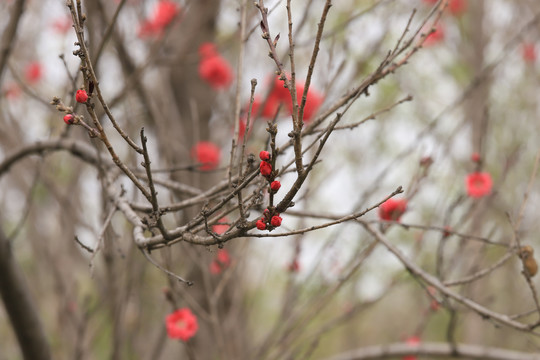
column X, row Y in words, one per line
column 181, row 324
column 478, row 184
column 269, row 108
column 392, row 209
column 164, row 13
column 528, row 53
column 213, row 68
column 206, row 153
column 33, row 72
column 412, row 341
column 221, row 262
column 220, row 228
column 11, row 91
column 436, row 36
column 215, row 268
column 457, row 7
column 207, row 49
column 62, row 25
column 223, row 257
column 280, row 94
column 314, row 101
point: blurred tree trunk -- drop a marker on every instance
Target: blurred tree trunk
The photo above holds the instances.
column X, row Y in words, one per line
column 476, row 113
column 20, row 307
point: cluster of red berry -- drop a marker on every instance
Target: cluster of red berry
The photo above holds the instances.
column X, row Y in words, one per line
column 269, row 219
column 82, row 97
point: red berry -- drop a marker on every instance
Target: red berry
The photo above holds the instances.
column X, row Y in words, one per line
column 392, row 209
column 264, row 155
column 276, row 220
column 275, row 185
column 81, row 96
column 69, row 119
column 266, row 168
column 260, row 224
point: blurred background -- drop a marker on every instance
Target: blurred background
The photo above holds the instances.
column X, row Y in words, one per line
column 474, row 108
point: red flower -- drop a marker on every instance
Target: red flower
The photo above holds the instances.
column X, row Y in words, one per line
column 279, row 91
column 261, row 225
column 435, row 37
column 266, row 168
column 457, row 7
column 276, row 220
column 528, row 53
column 216, row 71
column 412, row 341
column 264, row 155
column 68, row 119
column 62, row 24
column 269, row 109
column 222, row 261
column 275, row 185
column 220, row 228
column 207, row 154
column 215, row 268
column 392, row 209
column 223, row 257
column 478, row 184
column 33, row 72
column 314, row 100
column 81, row 96
column 280, row 94
column 164, row 13
column 181, row 324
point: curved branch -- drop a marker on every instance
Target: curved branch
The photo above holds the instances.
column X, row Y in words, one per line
column 434, row 350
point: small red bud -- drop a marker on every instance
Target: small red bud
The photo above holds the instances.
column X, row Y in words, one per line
column 81, row 96
column 260, row 224
column 264, row 155
column 275, row 185
column 447, row 232
column 426, row 161
column 294, row 266
column 68, row 119
column 266, row 168
column 276, row 220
